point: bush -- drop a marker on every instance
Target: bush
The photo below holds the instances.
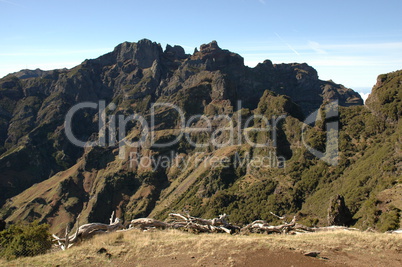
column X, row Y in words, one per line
column 389, row 220
column 25, row 240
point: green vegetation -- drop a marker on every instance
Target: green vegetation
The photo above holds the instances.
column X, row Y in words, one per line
column 25, row 240
column 367, row 166
column 389, row 220
column 386, row 99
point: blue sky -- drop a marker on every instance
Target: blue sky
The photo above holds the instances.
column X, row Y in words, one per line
column 350, row 42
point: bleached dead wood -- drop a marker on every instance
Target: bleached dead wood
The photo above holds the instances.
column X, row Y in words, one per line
column 200, row 225
column 191, row 224
column 261, row 226
column 65, row 243
column 264, row 227
column 399, row 231
column 279, row 217
column 333, row 228
column 146, row 223
column 221, row 220
column 289, row 228
column 221, row 225
column 86, row 231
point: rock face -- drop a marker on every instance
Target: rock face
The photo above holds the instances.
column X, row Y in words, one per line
column 338, row 213
column 70, row 180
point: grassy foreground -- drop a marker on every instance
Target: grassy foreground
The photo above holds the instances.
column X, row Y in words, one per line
column 175, row 248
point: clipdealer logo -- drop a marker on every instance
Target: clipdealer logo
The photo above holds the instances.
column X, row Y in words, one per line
column 113, row 129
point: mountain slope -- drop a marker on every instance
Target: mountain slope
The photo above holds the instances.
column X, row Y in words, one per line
column 95, row 181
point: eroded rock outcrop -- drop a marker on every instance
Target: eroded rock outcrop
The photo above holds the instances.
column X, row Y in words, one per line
column 338, row 212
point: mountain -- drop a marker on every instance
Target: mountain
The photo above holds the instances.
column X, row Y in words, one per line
column 44, row 176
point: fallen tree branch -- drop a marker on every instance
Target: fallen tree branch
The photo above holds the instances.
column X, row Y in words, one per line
column 199, row 225
column 220, row 225
column 86, row 231
column 399, row 231
column 261, row 226
column 146, row 223
column 333, row 228
column 192, row 224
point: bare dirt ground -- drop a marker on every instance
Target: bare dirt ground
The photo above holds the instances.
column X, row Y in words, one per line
column 253, row 258
column 268, row 257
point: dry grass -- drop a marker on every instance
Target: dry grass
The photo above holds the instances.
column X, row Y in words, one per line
column 135, row 247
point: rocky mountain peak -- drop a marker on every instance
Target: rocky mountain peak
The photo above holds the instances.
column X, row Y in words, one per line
column 210, row 47
column 142, row 54
column 215, row 58
column 176, row 52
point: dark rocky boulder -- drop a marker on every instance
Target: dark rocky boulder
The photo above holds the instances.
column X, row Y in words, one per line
column 338, row 212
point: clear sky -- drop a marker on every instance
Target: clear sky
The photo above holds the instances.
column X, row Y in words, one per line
column 350, row 42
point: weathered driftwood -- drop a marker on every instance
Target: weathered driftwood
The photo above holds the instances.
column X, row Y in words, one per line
column 263, row 227
column 221, row 220
column 86, row 231
column 399, row 231
column 65, row 243
column 191, row 224
column 146, row 223
column 289, row 228
column 187, row 222
column 219, row 225
column 333, row 228
column 199, row 225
